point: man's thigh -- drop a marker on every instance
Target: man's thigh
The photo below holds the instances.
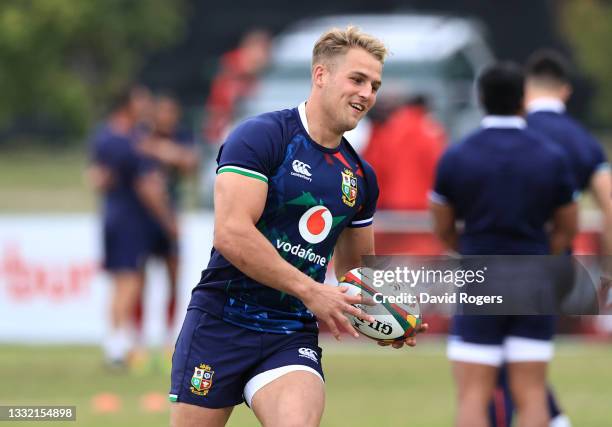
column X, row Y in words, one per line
column 287, row 387
column 186, row 415
column 296, row 399
column 211, row 361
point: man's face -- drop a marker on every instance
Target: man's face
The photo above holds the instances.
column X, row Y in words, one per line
column 349, row 87
column 167, row 113
column 141, row 103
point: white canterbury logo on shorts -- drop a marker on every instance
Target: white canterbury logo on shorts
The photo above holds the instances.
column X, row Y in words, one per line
column 309, row 353
column 301, row 170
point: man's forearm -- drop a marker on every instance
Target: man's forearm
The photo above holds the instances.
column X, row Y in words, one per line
column 151, row 192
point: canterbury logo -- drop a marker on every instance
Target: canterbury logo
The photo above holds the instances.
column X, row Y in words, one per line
column 301, row 168
column 308, row 353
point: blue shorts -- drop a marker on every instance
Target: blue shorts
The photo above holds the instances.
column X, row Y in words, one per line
column 217, row 364
column 126, row 247
column 160, row 244
column 493, row 340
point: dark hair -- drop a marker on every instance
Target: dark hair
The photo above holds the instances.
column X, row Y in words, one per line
column 120, row 100
column 123, row 97
column 501, row 89
column 548, row 64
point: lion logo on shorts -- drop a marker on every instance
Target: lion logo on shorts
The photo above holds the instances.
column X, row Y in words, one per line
column 202, row 380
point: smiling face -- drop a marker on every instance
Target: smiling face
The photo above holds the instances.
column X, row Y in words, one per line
column 348, row 85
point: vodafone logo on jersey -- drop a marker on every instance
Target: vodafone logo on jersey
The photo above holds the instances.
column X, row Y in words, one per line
column 315, row 224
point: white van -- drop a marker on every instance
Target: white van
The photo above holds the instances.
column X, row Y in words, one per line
column 435, row 56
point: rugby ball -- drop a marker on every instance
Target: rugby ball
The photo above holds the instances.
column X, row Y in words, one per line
column 396, row 318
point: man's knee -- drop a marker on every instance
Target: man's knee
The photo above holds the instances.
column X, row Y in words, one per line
column 295, row 399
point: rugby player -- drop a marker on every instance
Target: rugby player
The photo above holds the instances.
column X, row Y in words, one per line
column 506, row 182
column 547, row 90
column 290, row 192
column 133, row 198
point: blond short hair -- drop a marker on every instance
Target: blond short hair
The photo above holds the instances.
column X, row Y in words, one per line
column 337, row 42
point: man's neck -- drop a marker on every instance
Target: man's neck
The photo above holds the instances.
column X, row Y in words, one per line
column 534, row 94
column 121, row 123
column 318, row 129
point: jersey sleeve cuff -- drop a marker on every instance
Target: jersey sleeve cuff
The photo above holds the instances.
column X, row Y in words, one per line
column 602, row 167
column 242, row 171
column 437, row 198
column 361, row 222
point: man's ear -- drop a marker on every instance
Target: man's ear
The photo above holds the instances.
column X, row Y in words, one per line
column 319, row 74
column 565, row 92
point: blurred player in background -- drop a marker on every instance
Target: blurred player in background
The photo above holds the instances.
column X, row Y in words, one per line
column 290, row 191
column 174, row 150
column 546, row 92
column 506, row 182
column 548, row 89
column 133, row 198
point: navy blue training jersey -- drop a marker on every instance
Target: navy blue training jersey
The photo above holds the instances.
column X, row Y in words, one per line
column 313, row 194
column 119, row 154
column 584, row 153
column 505, row 182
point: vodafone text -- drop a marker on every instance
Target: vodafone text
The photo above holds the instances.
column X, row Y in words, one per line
column 297, row 250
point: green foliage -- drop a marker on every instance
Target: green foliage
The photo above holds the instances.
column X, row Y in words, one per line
column 62, row 59
column 588, row 25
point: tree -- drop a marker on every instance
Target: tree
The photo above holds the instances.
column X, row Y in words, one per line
column 61, row 60
column 588, row 25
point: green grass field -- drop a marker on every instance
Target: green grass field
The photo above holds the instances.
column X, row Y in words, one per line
column 366, row 385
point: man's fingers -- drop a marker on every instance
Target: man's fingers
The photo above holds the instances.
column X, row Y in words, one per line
column 410, row 341
column 333, row 329
column 398, row 344
column 354, row 311
column 423, row 328
column 366, row 300
column 347, row 326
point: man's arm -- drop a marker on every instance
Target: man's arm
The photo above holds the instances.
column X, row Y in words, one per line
column 443, row 217
column 99, row 177
column 151, row 190
column 352, row 244
column 239, row 203
column 601, row 187
column 171, row 153
column 564, row 228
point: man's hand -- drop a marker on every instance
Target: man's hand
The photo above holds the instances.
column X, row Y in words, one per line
column 330, row 304
column 410, row 341
column 99, row 177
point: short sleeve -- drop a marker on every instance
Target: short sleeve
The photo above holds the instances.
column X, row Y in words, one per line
column 365, row 216
column 253, row 149
column 442, row 189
